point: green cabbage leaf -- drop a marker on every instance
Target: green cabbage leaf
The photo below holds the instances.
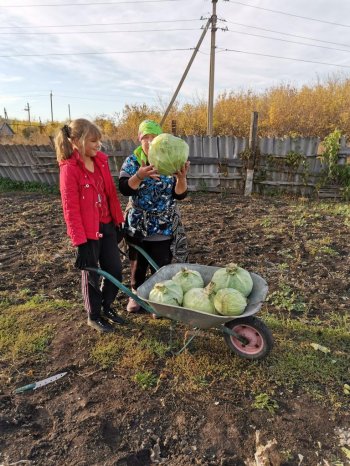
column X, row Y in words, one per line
column 167, row 292
column 168, row 153
column 199, row 299
column 233, row 276
column 229, row 302
column 188, row 279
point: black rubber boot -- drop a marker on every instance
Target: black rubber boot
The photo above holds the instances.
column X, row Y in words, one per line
column 112, row 316
column 100, row 325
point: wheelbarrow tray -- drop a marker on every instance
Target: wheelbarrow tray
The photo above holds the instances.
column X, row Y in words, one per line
column 198, row 318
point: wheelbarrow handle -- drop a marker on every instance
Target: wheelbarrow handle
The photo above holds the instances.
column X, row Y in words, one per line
column 122, row 287
column 145, row 255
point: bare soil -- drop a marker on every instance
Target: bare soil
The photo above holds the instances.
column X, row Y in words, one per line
column 101, row 417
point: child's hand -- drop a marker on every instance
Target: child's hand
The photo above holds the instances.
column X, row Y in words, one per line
column 84, row 257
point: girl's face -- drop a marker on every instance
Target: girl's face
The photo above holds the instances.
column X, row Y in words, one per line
column 145, row 142
column 91, row 146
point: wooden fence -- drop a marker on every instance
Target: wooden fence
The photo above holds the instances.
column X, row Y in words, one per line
column 217, row 164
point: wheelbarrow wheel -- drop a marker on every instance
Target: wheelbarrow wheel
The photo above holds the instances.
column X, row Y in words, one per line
column 257, row 338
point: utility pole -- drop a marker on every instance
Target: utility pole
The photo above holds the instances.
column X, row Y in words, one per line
column 252, row 146
column 51, row 107
column 69, row 113
column 212, row 71
column 27, row 109
column 206, row 27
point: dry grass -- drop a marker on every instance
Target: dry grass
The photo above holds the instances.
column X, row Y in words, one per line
column 284, row 110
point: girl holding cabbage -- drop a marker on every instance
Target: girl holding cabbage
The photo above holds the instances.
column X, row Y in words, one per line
column 152, row 219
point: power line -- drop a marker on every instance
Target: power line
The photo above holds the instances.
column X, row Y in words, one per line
column 34, row 96
column 286, row 40
column 92, row 53
column 97, row 32
column 85, row 98
column 86, row 3
column 286, row 33
column 101, row 24
column 283, row 58
column 290, row 14
column 171, row 30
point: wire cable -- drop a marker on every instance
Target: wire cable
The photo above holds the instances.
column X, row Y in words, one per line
column 285, row 33
column 97, row 97
column 97, row 32
column 34, row 96
column 283, row 58
column 286, row 40
column 86, row 3
column 92, row 53
column 290, row 14
column 100, row 24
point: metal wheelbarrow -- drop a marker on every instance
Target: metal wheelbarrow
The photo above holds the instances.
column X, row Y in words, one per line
column 245, row 335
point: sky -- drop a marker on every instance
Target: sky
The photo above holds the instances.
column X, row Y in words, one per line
column 87, row 58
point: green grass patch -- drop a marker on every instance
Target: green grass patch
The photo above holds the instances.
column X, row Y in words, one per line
column 155, row 346
column 21, row 337
column 264, row 401
column 296, row 356
column 292, row 364
column 320, row 246
column 285, row 298
column 22, row 333
column 38, row 302
column 136, row 356
column 145, row 380
column 309, row 354
column 132, row 352
column 7, row 185
column 106, row 352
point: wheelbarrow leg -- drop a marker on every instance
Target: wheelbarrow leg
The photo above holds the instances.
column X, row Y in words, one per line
column 172, row 328
column 196, row 331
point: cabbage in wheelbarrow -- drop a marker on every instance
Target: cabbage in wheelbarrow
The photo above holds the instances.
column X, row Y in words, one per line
column 245, row 334
column 193, row 317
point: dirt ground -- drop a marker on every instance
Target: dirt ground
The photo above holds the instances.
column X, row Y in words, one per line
column 100, row 417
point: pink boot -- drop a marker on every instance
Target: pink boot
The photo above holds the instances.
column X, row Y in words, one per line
column 132, row 305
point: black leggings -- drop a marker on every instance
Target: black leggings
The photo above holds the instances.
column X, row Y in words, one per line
column 106, row 255
column 159, row 251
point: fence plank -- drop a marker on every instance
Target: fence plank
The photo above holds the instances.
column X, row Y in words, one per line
column 216, row 163
column 195, row 149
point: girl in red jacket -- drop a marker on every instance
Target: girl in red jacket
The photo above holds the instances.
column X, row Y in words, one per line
column 93, row 214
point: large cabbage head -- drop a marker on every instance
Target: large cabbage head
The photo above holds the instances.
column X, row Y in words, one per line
column 199, row 299
column 167, row 292
column 167, row 153
column 233, row 276
column 229, row 302
column 188, row 279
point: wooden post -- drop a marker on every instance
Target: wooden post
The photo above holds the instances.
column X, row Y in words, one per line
column 212, row 71
column 51, row 106
column 173, row 127
column 205, row 29
column 252, row 146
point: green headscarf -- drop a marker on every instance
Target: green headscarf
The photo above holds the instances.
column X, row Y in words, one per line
column 140, row 155
column 149, row 127
column 146, row 127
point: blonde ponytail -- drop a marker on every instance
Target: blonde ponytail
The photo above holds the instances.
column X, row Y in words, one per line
column 63, row 145
column 77, row 131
